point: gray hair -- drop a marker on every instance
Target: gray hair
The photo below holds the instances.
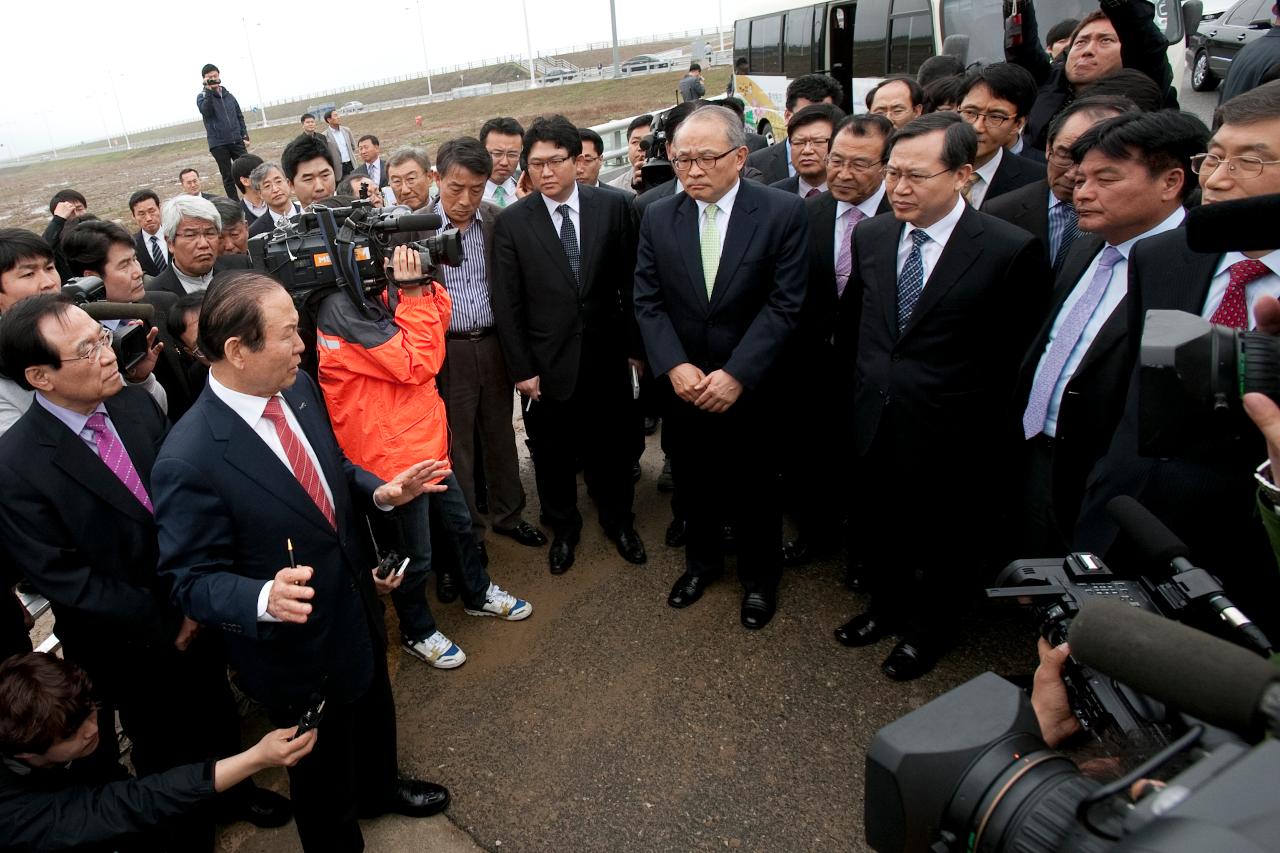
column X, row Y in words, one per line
column 185, row 206
column 734, row 132
column 232, row 212
column 405, row 155
column 259, row 174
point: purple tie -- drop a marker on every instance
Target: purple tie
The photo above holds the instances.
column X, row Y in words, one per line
column 115, row 457
column 1064, row 342
column 844, row 262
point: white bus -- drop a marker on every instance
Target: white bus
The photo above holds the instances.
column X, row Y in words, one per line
column 861, row 42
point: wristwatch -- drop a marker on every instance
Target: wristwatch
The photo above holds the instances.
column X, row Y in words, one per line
column 1266, row 488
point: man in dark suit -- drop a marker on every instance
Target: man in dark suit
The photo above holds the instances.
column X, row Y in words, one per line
column 563, row 258
column 269, row 180
column 193, row 231
column 371, row 162
column 774, row 162
column 149, row 243
column 76, row 516
column 249, row 480
column 720, row 283
column 996, row 101
column 189, row 179
column 1131, row 178
column 1045, row 208
column 951, row 298
column 1200, row 488
column 809, row 137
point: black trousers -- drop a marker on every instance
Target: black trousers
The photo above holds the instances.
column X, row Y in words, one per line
column 1038, row 531
column 816, row 474
column 225, row 155
column 728, row 473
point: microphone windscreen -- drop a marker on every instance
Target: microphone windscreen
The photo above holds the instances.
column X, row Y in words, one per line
column 418, row 222
column 1196, row 673
column 1152, row 539
column 1244, row 225
column 120, row 311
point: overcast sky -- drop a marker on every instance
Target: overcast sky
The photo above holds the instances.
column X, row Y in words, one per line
column 65, row 64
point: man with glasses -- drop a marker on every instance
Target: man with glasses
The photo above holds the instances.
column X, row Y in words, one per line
column 1202, row 494
column 631, row 180
column 563, row 259
column 897, row 98
column 590, row 161
column 270, row 182
column 502, row 137
column 995, row 102
column 809, row 134
column 1132, row 175
column 950, row 299
column 193, row 231
column 720, row 282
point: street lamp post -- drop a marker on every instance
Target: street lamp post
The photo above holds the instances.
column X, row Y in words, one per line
column 253, row 66
column 528, row 44
column 116, row 93
column 613, row 20
column 426, row 65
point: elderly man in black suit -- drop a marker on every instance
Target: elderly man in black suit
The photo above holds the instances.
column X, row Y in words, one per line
column 951, row 298
column 720, row 282
column 563, row 258
column 249, row 481
column 76, row 516
column 193, row 231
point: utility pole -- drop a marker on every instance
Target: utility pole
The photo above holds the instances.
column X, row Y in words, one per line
column 528, row 44
column 613, row 19
column 253, row 66
column 425, row 64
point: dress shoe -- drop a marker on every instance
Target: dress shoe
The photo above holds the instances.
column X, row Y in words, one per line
column 630, row 545
column 796, row 553
column 907, row 661
column 758, row 609
column 862, row 630
column 483, row 553
column 260, row 807
column 677, row 530
column 446, row 587
column 688, row 589
column 524, row 533
column 561, row 556
column 412, row 798
column 650, row 426
column 666, row 483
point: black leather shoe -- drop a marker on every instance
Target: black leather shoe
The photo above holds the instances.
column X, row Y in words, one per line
column 414, row 798
column 862, row 630
column 446, row 587
column 907, row 661
column 561, row 556
column 524, row 533
column 483, row 553
column 687, row 590
column 757, row 609
column 676, row 532
column 796, row 553
column 630, row 546
column 260, row 807
column 650, row 426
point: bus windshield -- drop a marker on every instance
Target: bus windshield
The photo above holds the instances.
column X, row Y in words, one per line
column 974, row 29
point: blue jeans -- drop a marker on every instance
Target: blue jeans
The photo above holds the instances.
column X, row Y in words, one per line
column 447, row 512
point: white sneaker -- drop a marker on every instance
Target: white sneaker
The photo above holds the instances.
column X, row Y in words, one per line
column 502, row 604
column 437, row 650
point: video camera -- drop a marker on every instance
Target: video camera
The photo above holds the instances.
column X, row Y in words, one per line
column 657, row 168
column 129, row 340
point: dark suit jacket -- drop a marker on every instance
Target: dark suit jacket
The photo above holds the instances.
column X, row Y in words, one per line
column 772, row 162
column 225, row 506
column 168, row 281
column 142, row 247
column 548, row 324
column 383, row 178
column 759, row 288
column 172, row 368
column 82, row 539
column 1012, row 173
column 1027, row 207
column 825, row 317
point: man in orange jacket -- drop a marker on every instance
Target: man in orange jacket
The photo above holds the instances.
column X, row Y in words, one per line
column 378, row 372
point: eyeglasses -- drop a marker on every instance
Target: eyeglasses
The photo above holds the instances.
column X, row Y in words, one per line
column 589, row 159
column 897, row 112
column 995, row 120
column 1241, row 167
column 706, row 162
column 504, row 155
column 840, row 164
column 400, row 180
column 1061, row 157
column 553, row 162
column 92, row 351
column 819, row 142
column 914, row 179
column 209, row 234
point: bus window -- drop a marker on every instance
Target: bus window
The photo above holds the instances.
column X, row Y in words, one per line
column 799, row 41
column 766, row 45
column 911, row 36
column 741, row 40
column 981, row 23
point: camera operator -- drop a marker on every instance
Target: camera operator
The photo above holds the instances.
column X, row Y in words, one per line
column 223, row 125
column 270, row 182
column 193, row 230
column 1199, row 492
column 630, row 180
column 52, row 799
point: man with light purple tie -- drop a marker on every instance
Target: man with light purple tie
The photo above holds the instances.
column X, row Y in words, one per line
column 1133, row 173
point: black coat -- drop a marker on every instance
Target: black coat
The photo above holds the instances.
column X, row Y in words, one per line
column 827, row 316
column 1027, row 207
column 772, row 162
column 1012, row 173
column 168, row 281
column 142, row 247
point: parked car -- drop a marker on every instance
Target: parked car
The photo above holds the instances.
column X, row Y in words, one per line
column 1211, row 49
column 350, row 107
column 643, row 62
column 559, row 75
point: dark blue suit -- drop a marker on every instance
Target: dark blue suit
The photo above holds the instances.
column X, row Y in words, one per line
column 742, row 328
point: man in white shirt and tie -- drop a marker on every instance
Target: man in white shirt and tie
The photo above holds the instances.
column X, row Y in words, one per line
column 371, row 162
column 149, row 244
column 343, row 139
column 502, row 137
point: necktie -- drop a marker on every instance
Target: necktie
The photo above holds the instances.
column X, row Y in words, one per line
column 967, row 191
column 812, row 192
column 911, row 279
column 112, row 453
column 1233, row 310
column 299, row 461
column 500, row 196
column 158, row 256
column 1064, row 342
column 710, row 246
column 374, row 172
column 844, row 262
column 1066, row 226
column 569, row 239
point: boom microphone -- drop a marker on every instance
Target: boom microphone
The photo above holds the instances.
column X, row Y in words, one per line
column 1244, row 225
column 120, row 311
column 418, row 222
column 1197, row 673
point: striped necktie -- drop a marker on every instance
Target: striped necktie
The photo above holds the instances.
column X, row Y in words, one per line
column 157, row 255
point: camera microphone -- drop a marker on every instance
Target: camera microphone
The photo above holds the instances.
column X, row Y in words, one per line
column 1199, row 674
column 120, row 311
column 1158, row 544
column 418, row 222
column 1242, row 225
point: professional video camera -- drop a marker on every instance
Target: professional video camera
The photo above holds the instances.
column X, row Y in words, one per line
column 657, row 168
column 129, row 339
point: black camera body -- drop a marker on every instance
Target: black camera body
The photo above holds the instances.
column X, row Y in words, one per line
column 129, row 339
column 657, row 168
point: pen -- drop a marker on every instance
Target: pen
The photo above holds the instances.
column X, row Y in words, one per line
column 528, row 401
column 293, row 564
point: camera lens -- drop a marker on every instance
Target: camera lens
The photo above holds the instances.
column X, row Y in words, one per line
column 1259, row 361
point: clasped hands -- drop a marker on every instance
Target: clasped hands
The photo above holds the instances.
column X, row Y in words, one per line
column 712, row 392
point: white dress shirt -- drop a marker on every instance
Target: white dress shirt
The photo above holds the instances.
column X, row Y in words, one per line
column 1267, row 285
column 341, row 138
column 868, row 206
column 574, row 213
column 725, row 209
column 805, row 186
column 374, row 170
column 939, row 233
column 986, row 173
column 509, row 185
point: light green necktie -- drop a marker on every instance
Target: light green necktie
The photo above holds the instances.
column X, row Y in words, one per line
column 500, row 195
column 710, row 248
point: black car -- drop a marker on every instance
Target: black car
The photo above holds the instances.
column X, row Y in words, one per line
column 1211, row 49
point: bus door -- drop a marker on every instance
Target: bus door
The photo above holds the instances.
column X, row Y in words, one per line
column 840, row 49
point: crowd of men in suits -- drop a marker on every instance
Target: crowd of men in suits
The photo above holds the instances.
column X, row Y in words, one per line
column 916, row 341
